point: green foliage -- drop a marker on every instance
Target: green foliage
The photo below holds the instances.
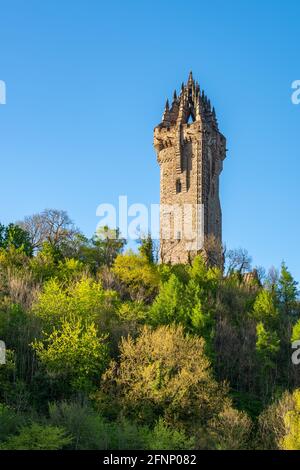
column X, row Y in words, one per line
column 265, row 308
column 267, row 345
column 85, row 426
column 14, row 236
column 181, row 271
column 37, row 437
column 52, row 302
column 102, row 249
column 139, row 278
column 296, row 332
column 146, row 248
column 271, row 423
column 186, row 344
column 44, row 264
column 7, row 372
column 10, row 422
column 84, row 299
column 89, row 430
column 189, row 303
column 49, row 262
column 230, row 430
column 70, row 270
column 11, row 259
column 287, row 291
column 133, row 311
column 162, row 373
column 74, row 353
column 164, row 437
column 291, row 440
column 168, row 307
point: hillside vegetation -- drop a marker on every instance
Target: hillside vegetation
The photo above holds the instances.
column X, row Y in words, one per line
column 107, row 349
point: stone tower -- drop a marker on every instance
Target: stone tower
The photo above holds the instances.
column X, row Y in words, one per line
column 190, row 151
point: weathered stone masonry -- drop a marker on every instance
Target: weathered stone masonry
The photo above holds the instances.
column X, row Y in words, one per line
column 190, row 151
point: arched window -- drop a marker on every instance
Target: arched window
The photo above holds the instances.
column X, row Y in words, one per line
column 190, row 118
column 178, row 186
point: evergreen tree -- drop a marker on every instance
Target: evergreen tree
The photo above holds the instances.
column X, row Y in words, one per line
column 146, row 248
column 287, row 291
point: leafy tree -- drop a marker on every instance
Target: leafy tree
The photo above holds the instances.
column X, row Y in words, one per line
column 230, row 430
column 103, row 248
column 82, row 423
column 181, row 271
column 139, row 278
column 207, row 278
column 84, row 299
column 52, row 303
column 199, row 315
column 14, row 236
column 70, row 270
column 168, row 306
column 201, row 299
column 131, row 316
column 163, row 373
column 45, row 262
column 146, row 248
column 74, row 353
column 265, row 308
column 267, row 345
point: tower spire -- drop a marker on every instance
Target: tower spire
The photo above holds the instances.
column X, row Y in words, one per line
column 190, row 79
column 166, row 115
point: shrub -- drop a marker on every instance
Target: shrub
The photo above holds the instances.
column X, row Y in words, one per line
column 37, row 437
column 271, row 423
column 10, row 421
column 230, row 430
column 162, row 373
column 164, row 437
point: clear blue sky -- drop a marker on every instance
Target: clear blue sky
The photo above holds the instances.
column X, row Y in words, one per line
column 86, row 85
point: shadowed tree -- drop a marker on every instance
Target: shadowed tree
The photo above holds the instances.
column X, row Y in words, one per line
column 238, row 261
column 15, row 236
